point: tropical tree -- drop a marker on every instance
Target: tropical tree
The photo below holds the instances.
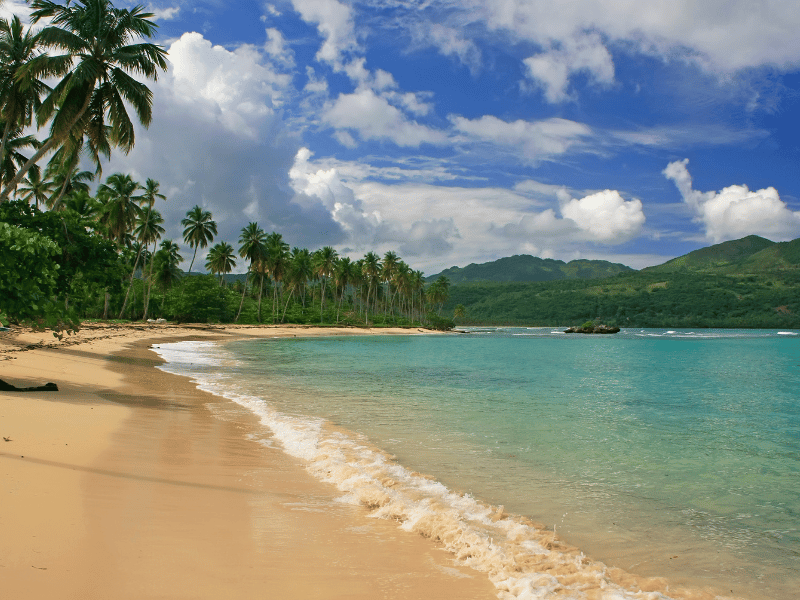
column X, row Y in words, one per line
column 277, row 263
column 14, row 157
column 251, row 247
column 199, row 231
column 166, row 262
column 66, row 179
column 325, row 263
column 35, row 188
column 148, row 231
column 120, row 205
column 83, row 204
column 220, row 260
column 387, row 274
column 345, row 275
column 102, row 52
column 19, row 95
column 371, row 268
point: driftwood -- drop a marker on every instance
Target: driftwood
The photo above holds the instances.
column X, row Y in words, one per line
column 47, row 387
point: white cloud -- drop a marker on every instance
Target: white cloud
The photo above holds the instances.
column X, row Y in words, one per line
column 334, row 21
column 553, row 68
column 374, row 118
column 234, row 87
column 165, row 14
column 606, row 217
column 276, row 48
column 537, row 140
column 450, row 42
column 723, row 35
column 735, row 211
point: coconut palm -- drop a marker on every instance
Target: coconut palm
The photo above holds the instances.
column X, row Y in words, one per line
column 371, row 269
column 252, row 247
column 387, row 274
column 220, row 260
column 120, row 206
column 325, row 262
column 35, row 188
column 81, row 203
column 65, row 174
column 148, row 231
column 13, row 155
column 277, row 263
column 102, row 49
column 19, row 97
column 166, row 271
column 344, row 272
column 199, row 231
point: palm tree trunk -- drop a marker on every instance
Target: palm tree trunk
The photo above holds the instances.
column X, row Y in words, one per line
column 130, row 285
column 244, row 291
column 149, row 282
column 106, row 302
column 286, row 306
column 44, row 149
column 260, row 290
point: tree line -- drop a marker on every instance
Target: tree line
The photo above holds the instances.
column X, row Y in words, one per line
column 67, row 254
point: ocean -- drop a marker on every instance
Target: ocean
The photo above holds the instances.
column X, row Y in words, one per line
column 557, row 464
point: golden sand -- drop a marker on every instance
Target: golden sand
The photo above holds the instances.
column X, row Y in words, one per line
column 123, row 485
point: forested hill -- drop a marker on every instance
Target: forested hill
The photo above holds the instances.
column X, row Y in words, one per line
column 725, row 256
column 751, row 282
column 523, row 267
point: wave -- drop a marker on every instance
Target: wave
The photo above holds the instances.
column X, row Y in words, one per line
column 523, row 559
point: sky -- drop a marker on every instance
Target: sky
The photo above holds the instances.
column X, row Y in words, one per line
column 458, row 132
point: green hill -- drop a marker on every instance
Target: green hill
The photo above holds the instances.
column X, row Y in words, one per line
column 523, row 267
column 784, row 255
column 746, row 283
column 719, row 256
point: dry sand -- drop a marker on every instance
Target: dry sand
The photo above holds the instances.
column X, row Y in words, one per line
column 123, row 484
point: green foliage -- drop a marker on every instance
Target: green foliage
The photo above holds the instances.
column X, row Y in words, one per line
column 531, row 268
column 434, row 321
column 29, row 278
column 201, row 299
column 643, row 299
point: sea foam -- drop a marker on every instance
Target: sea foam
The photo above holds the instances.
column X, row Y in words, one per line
column 522, row 559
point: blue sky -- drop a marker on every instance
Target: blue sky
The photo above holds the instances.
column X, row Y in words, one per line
column 460, row 132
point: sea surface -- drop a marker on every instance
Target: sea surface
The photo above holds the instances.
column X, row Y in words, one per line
column 557, row 464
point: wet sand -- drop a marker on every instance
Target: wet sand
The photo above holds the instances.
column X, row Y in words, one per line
column 131, row 483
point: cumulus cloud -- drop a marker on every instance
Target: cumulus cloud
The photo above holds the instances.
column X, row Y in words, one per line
column 218, row 139
column 334, row 22
column 606, row 217
column 735, row 211
column 553, row 68
column 723, row 35
column 538, row 140
column 372, row 117
column 234, row 88
column 165, row 14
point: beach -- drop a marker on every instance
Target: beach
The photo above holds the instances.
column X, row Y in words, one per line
column 124, row 484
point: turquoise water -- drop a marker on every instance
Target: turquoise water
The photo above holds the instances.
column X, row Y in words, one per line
column 666, row 453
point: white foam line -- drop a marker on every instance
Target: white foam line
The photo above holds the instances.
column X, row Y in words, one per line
column 522, row 561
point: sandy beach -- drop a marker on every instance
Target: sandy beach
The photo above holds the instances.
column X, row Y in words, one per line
column 124, row 484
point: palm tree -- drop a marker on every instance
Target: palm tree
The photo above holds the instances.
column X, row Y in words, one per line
column 252, row 247
column 276, row 264
column 166, row 262
column 199, row 231
column 102, row 47
column 81, row 203
column 324, row 267
column 220, row 260
column 371, row 267
column 66, row 178
column 120, row 205
column 13, row 155
column 387, row 274
column 35, row 188
column 148, row 231
column 19, row 98
column 345, row 269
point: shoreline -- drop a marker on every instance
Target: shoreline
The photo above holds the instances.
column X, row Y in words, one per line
column 130, row 487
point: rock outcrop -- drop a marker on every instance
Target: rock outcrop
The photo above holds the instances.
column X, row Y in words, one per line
column 594, row 329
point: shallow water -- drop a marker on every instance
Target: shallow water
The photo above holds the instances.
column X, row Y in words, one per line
column 666, row 453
